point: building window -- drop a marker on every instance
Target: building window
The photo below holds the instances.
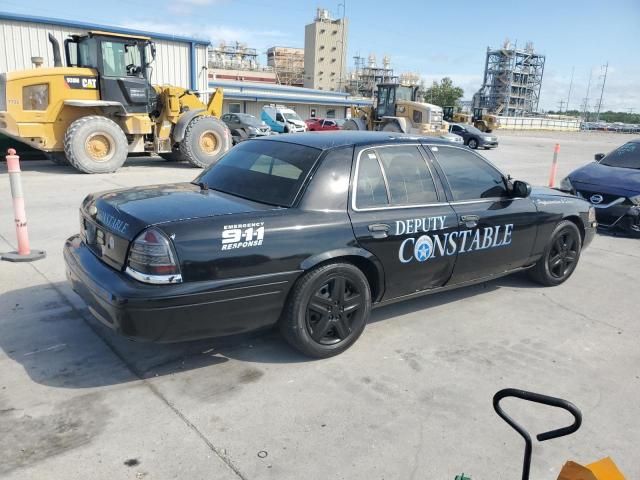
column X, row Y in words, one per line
column 321, row 59
column 322, row 31
column 332, row 89
column 333, row 60
column 335, row 32
column 320, row 73
column 333, row 74
column 234, row 108
column 333, row 49
column 321, row 47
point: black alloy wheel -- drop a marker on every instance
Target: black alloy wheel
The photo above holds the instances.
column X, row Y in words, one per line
column 473, row 143
column 563, row 255
column 560, row 257
column 333, row 310
column 327, row 310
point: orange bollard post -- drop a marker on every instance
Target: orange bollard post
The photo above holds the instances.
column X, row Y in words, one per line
column 24, row 253
column 554, row 166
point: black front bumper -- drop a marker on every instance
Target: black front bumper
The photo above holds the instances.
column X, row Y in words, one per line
column 176, row 312
column 619, row 217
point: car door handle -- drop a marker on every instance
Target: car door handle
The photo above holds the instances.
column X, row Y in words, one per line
column 379, row 230
column 469, row 221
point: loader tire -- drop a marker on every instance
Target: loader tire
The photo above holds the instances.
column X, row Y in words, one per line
column 205, row 140
column 59, row 158
column 95, row 144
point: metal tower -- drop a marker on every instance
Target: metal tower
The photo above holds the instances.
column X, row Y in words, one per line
column 512, row 81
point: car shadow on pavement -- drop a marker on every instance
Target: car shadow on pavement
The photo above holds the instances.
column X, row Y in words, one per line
column 62, row 346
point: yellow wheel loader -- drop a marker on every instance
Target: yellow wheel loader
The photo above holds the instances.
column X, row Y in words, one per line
column 450, row 115
column 484, row 121
column 102, row 106
column 398, row 110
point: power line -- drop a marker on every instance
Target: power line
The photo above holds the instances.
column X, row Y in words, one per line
column 573, row 69
column 604, row 81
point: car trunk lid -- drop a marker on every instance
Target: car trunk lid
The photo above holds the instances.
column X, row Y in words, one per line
column 110, row 221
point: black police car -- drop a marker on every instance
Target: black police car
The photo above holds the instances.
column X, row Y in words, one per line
column 311, row 231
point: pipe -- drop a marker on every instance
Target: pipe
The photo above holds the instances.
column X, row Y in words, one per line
column 57, row 59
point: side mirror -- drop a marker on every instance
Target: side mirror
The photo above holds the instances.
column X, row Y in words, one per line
column 521, row 189
column 598, row 156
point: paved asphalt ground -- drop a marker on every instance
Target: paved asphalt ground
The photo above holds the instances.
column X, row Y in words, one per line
column 410, row 400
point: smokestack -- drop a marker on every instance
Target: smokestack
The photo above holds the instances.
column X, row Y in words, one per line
column 57, row 60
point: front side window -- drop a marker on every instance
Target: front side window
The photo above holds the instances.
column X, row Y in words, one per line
column 408, row 177
column 469, row 176
column 266, row 172
column 626, row 156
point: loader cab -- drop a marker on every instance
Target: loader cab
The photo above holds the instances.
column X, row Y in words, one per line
column 123, row 63
column 388, row 96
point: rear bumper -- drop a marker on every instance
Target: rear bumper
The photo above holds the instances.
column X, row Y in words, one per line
column 171, row 313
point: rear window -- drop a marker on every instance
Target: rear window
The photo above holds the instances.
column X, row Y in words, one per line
column 627, row 156
column 265, row 172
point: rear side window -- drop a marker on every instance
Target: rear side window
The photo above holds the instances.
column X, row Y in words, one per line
column 371, row 191
column 262, row 171
column 626, row 156
column 469, row 176
column 408, row 177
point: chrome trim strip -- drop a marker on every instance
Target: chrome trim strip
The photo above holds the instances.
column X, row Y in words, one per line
column 354, row 187
column 153, row 279
column 438, row 204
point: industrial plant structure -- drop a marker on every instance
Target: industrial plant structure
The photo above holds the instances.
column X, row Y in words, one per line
column 365, row 78
column 236, row 61
column 325, row 50
column 512, row 81
column 288, row 63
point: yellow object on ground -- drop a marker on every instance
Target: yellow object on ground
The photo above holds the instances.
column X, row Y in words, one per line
column 604, row 469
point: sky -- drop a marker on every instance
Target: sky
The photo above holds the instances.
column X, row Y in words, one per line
column 433, row 38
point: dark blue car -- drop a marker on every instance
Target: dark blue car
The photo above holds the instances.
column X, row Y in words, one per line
column 612, row 185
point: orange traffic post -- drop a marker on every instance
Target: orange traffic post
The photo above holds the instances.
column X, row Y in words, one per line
column 554, row 166
column 24, row 253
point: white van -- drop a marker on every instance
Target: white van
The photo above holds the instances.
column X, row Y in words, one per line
column 282, row 119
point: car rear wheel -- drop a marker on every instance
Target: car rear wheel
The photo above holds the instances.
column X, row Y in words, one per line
column 560, row 257
column 327, row 310
column 473, row 143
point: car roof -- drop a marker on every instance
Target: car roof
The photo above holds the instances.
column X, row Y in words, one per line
column 343, row 138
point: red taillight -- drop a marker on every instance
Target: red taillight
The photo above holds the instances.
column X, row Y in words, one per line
column 151, row 259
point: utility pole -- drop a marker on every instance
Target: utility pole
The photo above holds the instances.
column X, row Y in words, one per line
column 585, row 105
column 573, row 69
column 604, row 81
column 561, row 103
column 343, row 49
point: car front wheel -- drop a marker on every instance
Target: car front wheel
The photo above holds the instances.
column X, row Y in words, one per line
column 473, row 143
column 327, row 310
column 560, row 256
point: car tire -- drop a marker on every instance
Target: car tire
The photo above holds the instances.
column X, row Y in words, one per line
column 560, row 257
column 95, row 144
column 473, row 143
column 314, row 320
column 205, row 140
